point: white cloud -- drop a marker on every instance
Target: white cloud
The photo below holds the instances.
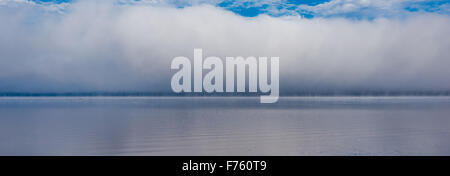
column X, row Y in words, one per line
column 99, row 46
column 49, row 6
column 370, row 8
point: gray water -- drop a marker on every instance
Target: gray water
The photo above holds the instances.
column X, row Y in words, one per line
column 224, row 126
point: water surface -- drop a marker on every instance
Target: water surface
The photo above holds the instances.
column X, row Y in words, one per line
column 224, row 126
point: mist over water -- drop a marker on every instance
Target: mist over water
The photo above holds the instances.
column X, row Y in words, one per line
column 224, row 126
column 59, row 62
column 104, row 47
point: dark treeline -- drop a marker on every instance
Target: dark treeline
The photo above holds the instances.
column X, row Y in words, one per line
column 309, row 93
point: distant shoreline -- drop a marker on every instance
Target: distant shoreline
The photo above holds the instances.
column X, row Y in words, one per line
column 245, row 94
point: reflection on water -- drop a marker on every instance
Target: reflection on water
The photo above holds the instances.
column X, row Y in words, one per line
column 224, row 126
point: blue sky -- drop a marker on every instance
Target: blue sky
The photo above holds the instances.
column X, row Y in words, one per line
column 358, row 9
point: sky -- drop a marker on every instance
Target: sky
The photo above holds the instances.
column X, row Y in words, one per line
column 127, row 45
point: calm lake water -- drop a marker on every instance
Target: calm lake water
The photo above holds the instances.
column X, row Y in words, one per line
column 224, row 126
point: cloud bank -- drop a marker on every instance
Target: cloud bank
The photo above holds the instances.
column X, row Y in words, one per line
column 102, row 46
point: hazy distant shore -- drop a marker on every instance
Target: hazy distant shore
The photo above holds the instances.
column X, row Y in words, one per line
column 244, row 94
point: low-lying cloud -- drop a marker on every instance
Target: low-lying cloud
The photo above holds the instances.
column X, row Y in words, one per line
column 100, row 46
